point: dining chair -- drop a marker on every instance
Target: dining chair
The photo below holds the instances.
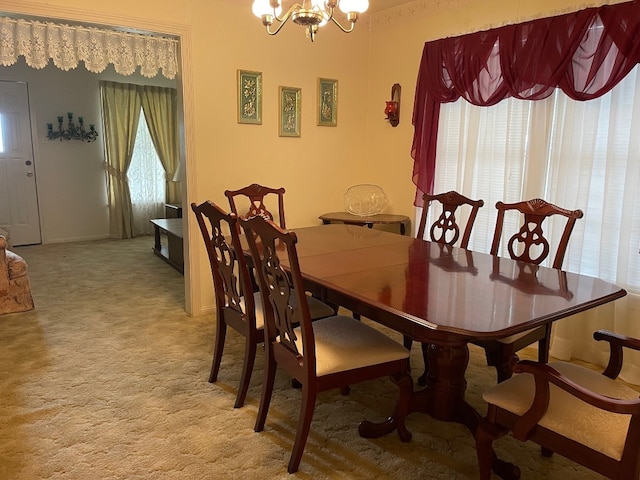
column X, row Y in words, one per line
column 256, row 194
column 590, row 418
column 238, row 301
column 529, row 245
column 329, row 353
column 445, row 230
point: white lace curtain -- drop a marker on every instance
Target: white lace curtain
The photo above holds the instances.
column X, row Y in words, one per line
column 146, row 181
column 67, row 45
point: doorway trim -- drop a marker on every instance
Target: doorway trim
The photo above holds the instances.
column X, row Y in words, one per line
column 192, row 284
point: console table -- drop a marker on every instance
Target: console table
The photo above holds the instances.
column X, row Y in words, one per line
column 172, row 252
column 345, row 217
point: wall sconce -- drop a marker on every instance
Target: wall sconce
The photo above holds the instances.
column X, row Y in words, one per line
column 72, row 131
column 392, row 110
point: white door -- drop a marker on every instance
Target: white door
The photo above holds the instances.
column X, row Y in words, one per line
column 18, row 195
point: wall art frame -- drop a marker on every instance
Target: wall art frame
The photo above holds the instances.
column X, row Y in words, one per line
column 249, row 97
column 327, row 102
column 290, row 110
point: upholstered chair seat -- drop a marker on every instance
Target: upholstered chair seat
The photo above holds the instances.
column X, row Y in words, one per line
column 571, row 410
column 257, row 299
column 567, row 415
column 339, row 334
column 15, row 288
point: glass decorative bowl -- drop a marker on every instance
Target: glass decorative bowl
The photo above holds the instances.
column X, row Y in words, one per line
column 365, row 200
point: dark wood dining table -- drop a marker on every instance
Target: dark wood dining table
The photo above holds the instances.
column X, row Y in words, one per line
column 444, row 296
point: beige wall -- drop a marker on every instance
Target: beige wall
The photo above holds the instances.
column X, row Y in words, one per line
column 220, row 36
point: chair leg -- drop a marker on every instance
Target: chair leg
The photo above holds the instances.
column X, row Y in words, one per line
column 486, row 433
column 247, row 370
column 503, row 360
column 484, row 450
column 544, row 345
column 405, row 384
column 407, row 342
column 309, row 394
column 422, row 381
column 221, row 334
column 267, row 391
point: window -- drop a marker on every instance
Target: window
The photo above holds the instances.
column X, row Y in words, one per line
column 146, row 181
column 574, row 154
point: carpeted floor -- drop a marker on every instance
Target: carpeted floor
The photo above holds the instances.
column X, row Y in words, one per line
column 107, row 379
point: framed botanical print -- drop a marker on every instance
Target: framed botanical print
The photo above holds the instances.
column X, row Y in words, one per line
column 327, row 102
column 290, row 108
column 249, row 97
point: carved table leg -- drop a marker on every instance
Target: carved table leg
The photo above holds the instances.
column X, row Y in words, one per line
column 443, row 399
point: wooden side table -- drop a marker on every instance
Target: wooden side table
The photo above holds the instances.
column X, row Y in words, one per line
column 172, row 252
column 173, row 210
column 380, row 219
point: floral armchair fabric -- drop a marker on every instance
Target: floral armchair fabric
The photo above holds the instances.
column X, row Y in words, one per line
column 15, row 290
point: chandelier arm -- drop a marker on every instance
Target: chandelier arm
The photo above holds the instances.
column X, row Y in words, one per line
column 281, row 20
column 345, row 30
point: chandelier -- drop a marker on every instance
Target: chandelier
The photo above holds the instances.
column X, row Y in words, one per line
column 311, row 14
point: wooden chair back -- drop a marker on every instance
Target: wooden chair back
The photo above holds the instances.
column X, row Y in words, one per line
column 231, row 278
column 529, row 243
column 256, row 196
column 284, row 300
column 446, row 229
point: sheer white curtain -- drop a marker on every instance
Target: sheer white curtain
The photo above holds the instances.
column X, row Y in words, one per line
column 146, row 182
column 576, row 155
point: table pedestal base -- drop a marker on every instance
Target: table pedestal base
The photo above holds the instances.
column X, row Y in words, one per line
column 443, row 399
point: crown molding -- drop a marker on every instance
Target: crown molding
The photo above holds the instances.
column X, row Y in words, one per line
column 422, row 8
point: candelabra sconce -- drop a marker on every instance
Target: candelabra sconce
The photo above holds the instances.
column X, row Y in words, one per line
column 73, row 131
column 392, row 110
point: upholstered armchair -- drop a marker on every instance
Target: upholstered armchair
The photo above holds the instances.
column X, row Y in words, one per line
column 15, row 290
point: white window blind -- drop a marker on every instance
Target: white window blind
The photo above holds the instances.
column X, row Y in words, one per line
column 574, row 154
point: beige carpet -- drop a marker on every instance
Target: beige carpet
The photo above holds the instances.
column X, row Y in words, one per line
column 107, row 379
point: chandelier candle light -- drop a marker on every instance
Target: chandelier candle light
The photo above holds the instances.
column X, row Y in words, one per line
column 72, row 131
column 311, row 14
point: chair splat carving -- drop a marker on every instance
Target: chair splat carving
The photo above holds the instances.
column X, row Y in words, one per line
column 256, row 194
column 529, row 244
column 446, row 229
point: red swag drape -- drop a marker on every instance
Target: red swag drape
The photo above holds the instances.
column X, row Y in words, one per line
column 585, row 53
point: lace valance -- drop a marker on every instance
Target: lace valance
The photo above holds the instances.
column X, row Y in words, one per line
column 67, row 45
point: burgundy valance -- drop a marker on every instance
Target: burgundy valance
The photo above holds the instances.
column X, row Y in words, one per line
column 585, row 53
